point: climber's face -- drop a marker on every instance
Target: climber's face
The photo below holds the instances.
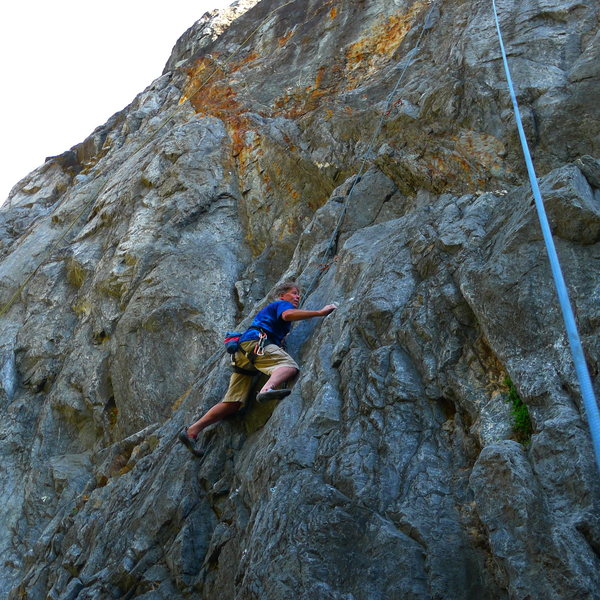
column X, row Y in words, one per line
column 292, row 295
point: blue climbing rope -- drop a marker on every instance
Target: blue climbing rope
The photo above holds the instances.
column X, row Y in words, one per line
column 585, row 382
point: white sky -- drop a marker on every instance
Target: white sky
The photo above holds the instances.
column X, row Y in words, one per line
column 66, row 66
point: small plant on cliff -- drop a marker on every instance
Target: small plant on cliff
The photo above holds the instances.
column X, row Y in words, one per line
column 521, row 420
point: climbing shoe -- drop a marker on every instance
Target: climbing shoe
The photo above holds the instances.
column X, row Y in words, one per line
column 188, row 442
column 273, row 395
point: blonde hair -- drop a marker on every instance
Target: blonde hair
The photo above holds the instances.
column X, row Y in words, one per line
column 284, row 287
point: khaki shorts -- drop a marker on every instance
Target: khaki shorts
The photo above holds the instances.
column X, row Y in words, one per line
column 273, row 358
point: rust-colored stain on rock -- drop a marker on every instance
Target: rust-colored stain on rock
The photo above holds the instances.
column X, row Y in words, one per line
column 210, row 95
column 359, row 61
column 284, row 39
column 382, row 40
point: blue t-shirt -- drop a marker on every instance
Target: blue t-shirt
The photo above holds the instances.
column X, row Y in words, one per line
column 269, row 318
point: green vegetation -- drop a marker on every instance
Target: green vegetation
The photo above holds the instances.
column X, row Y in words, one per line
column 75, row 273
column 521, row 420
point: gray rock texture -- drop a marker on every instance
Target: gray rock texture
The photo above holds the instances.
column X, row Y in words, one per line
column 395, row 469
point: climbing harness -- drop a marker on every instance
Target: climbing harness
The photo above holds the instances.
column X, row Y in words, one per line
column 583, row 376
column 241, row 371
column 232, row 345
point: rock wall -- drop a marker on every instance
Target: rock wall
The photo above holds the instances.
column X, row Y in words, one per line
column 395, row 469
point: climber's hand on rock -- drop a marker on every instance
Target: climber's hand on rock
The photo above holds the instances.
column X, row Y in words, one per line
column 328, row 309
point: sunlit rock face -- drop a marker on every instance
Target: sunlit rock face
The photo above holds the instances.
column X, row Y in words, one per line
column 395, row 469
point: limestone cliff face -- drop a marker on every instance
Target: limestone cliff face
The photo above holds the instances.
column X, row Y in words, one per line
column 394, row 470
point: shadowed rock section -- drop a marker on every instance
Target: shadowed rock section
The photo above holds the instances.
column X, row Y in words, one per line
column 393, row 470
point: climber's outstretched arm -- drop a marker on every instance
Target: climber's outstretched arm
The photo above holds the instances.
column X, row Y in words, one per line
column 295, row 314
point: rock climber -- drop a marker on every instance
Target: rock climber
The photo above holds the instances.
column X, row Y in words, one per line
column 259, row 351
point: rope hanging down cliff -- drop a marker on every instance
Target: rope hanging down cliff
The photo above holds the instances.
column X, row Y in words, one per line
column 583, row 375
